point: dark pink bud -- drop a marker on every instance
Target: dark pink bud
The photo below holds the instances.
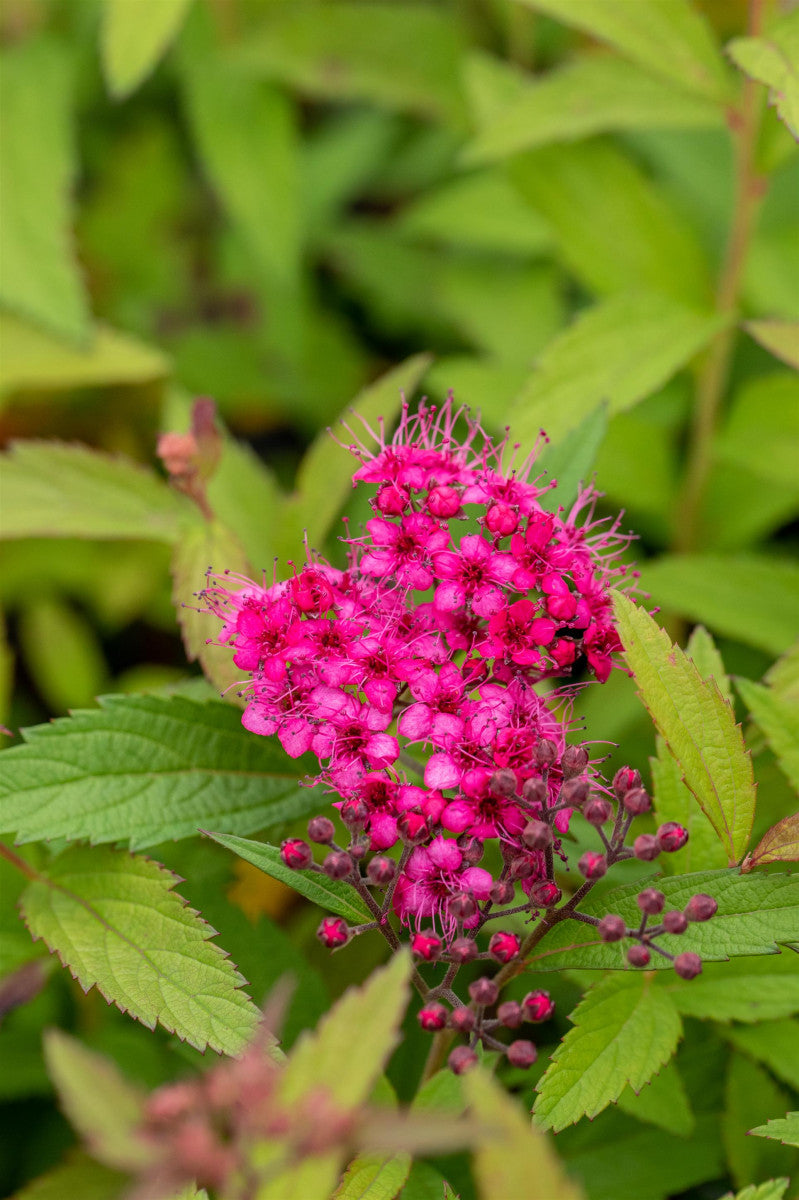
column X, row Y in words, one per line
column 338, row 865
column 463, row 950
column 597, row 811
column 358, row 848
column 625, row 779
column 461, row 906
column 503, row 783
column 538, row 1006
column 521, row 867
column 333, row 932
column 574, row 761
column 296, row 854
column 546, row 752
column 612, row 928
column 461, row 1020
column 651, row 901
column 311, row 592
column 545, row 894
column 426, row 945
column 471, row 848
column 701, row 907
column 563, row 651
column 501, row 519
column 484, row 991
column 391, row 499
column 592, row 865
column 537, row 835
column 646, row 847
column 381, row 870
column 575, row 792
column 522, row 1054
column 502, row 892
column 321, row 829
column 461, row 1060
column 510, row 1014
column 672, row 836
column 638, row 956
column 354, row 813
column 675, row 922
column 433, row 1017
column 688, row 965
column 636, row 801
column 504, row 947
column 443, row 502
column 412, row 827
column 535, row 791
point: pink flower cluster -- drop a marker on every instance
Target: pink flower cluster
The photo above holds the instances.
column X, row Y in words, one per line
column 463, row 593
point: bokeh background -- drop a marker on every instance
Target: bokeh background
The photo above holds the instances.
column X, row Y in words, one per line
column 275, row 204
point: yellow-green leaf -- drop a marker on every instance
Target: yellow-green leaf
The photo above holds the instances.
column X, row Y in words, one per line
column 781, row 338
column 779, row 844
column 134, row 36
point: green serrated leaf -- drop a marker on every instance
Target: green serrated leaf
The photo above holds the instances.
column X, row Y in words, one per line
column 783, row 1129
column 662, row 1102
column 132, row 42
column 748, row 990
column 773, row 59
column 750, row 597
column 755, row 913
column 666, row 36
column 515, row 1159
column 52, row 489
column 115, row 922
column 589, row 95
column 144, row 769
column 374, row 1177
column 696, row 722
column 618, row 352
column 751, row 1095
column 625, row 1030
column 78, row 1175
column 780, row 338
column 334, row 895
column 571, row 459
column 779, row 720
column 772, row 1189
column 704, row 654
column 41, row 280
column 102, row 1106
column 673, row 801
column 778, row 844
column 773, row 1043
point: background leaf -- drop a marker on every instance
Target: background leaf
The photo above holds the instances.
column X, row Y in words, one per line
column 772, row 59
column 745, row 989
column 132, row 41
column 777, row 716
column 662, row 1101
column 570, row 460
column 780, row 337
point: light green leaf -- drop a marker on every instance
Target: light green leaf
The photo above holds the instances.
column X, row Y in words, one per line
column 749, row 990
column 784, row 1129
column 773, row 59
column 774, row 1043
column 762, row 430
column 620, row 351
column 750, row 597
column 696, row 722
column 399, row 56
column 704, row 654
column 751, row 1096
column 783, row 676
column 662, row 1102
column 669, row 37
column 779, row 720
column 35, row 360
column 244, row 495
column 673, row 801
column 570, row 460
column 115, row 922
column 373, row 1177
column 778, row 844
column 78, row 1175
column 41, row 279
column 781, row 338
column 145, row 769
column 134, row 36
column 487, row 385
column 755, row 912
column 625, row 1030
column 102, row 1106
column 204, row 546
column 594, row 94
column 77, row 673
column 773, row 1189
column 617, row 233
column 334, row 895
column 50, row 489
column 515, row 1159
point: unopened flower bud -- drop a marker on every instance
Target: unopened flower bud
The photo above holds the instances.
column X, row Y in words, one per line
column 504, row 947
column 575, row 792
column 501, row 519
column 612, row 928
column 538, row 1006
column 392, row 500
column 443, row 502
column 412, row 827
column 463, row 950
column 338, row 865
column 427, row 945
column 521, row 867
column 545, row 894
column 484, row 991
column 535, row 791
column 358, row 848
column 675, row 922
column 522, row 1054
column 688, row 965
column 296, row 854
column 546, row 752
column 461, row 906
column 672, row 836
column 574, row 761
column 381, row 870
column 503, row 783
column 537, row 835
column 321, row 830
column 592, row 865
column 651, row 901
column 701, row 907
column 502, row 892
column 354, row 813
column 646, row 847
column 638, row 956
column 597, row 811
column 461, row 1060
column 636, row 801
column 461, row 1020
column 433, row 1017
column 510, row 1014
column 333, row 932
column 625, row 779
column 471, row 848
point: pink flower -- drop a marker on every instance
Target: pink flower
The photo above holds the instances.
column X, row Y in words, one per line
column 433, row 874
column 475, row 572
